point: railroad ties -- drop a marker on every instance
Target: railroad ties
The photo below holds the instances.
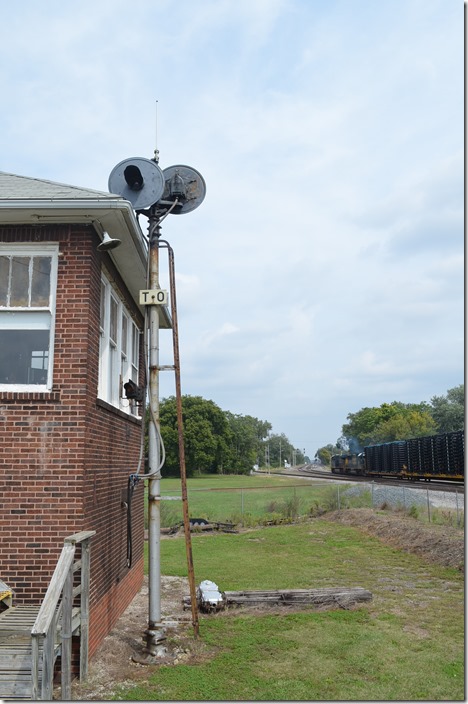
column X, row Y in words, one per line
column 338, row 597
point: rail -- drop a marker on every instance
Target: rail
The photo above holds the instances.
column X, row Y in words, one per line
column 57, row 621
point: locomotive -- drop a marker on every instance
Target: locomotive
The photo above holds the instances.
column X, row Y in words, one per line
column 432, row 457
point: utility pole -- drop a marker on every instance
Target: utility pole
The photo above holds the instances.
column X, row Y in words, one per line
column 154, row 634
column 155, row 193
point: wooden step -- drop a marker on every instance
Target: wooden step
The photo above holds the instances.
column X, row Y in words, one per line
column 15, row 651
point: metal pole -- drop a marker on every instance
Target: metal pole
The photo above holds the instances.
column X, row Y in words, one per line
column 154, row 634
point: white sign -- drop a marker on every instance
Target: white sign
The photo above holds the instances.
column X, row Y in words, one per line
column 155, row 296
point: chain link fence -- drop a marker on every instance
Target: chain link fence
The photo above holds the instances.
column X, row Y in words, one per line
column 250, row 506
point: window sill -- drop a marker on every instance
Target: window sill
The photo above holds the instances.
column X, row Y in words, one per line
column 113, row 409
column 30, row 396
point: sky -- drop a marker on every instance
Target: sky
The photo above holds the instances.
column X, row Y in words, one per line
column 323, row 272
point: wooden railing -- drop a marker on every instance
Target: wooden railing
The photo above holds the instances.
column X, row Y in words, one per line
column 57, row 620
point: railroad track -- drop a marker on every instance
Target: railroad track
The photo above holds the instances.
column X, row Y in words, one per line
column 312, row 473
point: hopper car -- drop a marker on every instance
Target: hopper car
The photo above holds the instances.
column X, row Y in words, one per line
column 440, row 457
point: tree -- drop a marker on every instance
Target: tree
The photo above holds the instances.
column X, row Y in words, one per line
column 381, row 424
column 449, row 411
column 411, row 424
column 206, row 435
column 324, row 454
column 280, row 449
column 246, row 442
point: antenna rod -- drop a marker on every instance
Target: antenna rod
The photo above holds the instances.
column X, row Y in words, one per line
column 156, row 150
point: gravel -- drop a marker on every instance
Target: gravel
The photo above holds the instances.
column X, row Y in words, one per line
column 406, row 497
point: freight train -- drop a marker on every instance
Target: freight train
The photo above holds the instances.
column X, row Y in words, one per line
column 433, row 457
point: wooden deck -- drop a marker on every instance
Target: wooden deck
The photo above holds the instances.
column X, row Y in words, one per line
column 31, row 636
column 15, row 651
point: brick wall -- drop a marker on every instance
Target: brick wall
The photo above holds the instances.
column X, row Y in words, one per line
column 66, row 457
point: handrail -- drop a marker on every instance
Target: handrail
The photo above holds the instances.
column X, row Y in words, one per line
column 47, row 620
column 47, row 611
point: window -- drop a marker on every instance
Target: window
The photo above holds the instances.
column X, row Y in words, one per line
column 28, row 282
column 119, row 349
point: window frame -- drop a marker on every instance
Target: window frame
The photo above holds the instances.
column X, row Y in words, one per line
column 28, row 249
column 116, row 356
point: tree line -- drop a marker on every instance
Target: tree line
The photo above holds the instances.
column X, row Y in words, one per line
column 220, row 442
column 399, row 421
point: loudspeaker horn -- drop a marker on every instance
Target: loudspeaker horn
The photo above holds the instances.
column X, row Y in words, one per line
column 108, row 242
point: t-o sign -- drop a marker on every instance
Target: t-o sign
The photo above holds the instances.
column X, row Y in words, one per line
column 153, row 296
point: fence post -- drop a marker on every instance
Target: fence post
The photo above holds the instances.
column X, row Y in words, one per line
column 242, row 502
column 48, row 661
column 338, row 494
column 84, row 608
column 458, row 514
column 36, row 684
column 428, row 506
column 372, row 495
column 66, row 635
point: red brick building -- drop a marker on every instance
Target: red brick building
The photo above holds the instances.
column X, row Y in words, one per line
column 70, row 336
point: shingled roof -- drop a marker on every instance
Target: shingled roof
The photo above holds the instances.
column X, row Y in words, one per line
column 25, row 200
column 13, row 187
column 33, row 201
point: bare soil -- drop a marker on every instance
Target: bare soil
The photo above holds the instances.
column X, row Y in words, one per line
column 112, row 666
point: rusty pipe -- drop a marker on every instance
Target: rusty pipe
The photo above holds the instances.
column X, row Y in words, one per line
column 180, row 426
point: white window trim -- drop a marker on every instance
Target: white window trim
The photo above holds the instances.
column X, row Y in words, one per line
column 28, row 250
column 111, row 390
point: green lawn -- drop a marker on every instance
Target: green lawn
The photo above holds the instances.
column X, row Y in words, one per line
column 407, row 644
column 245, row 499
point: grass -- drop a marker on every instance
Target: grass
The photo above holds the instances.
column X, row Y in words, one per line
column 256, row 500
column 407, row 644
column 249, row 500
column 334, row 655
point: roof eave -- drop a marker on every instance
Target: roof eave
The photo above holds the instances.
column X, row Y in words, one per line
column 114, row 215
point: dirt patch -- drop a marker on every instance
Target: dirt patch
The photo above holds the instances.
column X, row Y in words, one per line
column 442, row 545
column 112, row 666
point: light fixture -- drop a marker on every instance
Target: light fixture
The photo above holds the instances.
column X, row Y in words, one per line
column 108, row 242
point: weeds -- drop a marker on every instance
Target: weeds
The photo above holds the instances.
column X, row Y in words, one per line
column 448, row 517
column 279, row 501
column 170, row 513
